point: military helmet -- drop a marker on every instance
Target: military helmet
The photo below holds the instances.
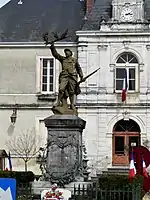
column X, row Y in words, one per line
column 68, row 50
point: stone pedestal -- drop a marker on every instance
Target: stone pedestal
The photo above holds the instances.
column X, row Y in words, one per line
column 64, row 153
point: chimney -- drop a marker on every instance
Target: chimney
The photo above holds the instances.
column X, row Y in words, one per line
column 89, row 5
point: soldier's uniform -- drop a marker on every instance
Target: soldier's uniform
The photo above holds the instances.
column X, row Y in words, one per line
column 69, row 75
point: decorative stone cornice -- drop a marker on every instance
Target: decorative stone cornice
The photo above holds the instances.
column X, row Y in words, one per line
column 148, row 47
column 34, row 44
column 112, row 67
column 23, row 106
column 82, row 45
column 64, row 121
column 47, row 97
column 102, row 46
column 126, row 44
column 141, row 67
column 114, row 105
column 126, row 115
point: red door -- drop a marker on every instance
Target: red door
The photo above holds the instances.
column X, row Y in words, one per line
column 122, row 145
column 126, row 134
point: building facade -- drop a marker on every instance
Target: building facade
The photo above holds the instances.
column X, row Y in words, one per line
column 119, row 43
column 29, row 85
column 29, row 73
column 114, row 36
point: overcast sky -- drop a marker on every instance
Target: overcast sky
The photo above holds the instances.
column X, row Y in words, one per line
column 3, row 2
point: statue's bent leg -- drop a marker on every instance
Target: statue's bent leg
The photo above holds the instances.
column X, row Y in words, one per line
column 72, row 86
column 59, row 100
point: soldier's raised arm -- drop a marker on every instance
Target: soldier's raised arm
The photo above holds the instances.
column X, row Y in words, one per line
column 55, row 53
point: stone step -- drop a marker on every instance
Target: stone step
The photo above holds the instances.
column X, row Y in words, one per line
column 117, row 170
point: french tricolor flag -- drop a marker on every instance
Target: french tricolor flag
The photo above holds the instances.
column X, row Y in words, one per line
column 145, row 174
column 9, row 163
column 132, row 170
column 125, row 86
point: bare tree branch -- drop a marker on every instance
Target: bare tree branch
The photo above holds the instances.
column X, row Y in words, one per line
column 25, row 145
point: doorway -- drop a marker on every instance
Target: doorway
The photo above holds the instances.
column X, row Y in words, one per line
column 126, row 134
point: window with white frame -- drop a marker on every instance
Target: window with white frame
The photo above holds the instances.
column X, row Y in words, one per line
column 47, row 75
column 126, row 61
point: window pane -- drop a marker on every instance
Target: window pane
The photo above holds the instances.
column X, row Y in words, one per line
column 119, row 145
column 44, row 71
column 120, row 73
column 44, row 87
column 44, row 80
column 120, row 60
column 133, row 60
column 130, row 57
column 51, row 79
column 47, row 74
column 51, row 72
column 51, row 87
column 119, row 84
column 131, row 84
column 51, row 63
column 131, row 73
column 45, row 63
column 124, row 57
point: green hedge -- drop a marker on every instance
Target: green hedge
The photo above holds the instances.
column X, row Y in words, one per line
column 20, row 176
column 116, row 187
column 118, row 181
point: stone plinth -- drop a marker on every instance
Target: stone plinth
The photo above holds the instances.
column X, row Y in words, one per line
column 64, row 156
column 39, row 186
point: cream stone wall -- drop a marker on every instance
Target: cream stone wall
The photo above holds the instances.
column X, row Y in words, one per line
column 19, row 88
column 98, row 103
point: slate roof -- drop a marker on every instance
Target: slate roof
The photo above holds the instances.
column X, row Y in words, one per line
column 147, row 9
column 27, row 22
column 102, row 9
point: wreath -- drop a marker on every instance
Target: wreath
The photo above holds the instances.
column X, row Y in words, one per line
column 53, row 193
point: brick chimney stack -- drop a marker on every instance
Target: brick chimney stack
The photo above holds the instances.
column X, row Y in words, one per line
column 89, row 5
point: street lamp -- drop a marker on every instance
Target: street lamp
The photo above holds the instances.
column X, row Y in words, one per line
column 13, row 117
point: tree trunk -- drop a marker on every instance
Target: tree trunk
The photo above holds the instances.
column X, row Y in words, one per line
column 26, row 166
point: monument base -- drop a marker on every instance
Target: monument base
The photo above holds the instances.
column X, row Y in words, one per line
column 64, row 111
column 64, row 152
column 39, row 186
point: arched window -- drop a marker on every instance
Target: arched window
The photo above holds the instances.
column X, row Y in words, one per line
column 126, row 126
column 126, row 62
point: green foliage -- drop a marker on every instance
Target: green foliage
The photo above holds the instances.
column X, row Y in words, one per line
column 21, row 177
column 24, row 197
column 122, row 184
column 116, row 181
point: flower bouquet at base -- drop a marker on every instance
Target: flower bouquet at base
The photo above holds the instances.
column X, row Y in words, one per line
column 53, row 194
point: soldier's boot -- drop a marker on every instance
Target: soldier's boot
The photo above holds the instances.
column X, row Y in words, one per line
column 73, row 107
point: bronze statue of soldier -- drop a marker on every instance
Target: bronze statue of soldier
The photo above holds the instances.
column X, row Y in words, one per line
column 68, row 77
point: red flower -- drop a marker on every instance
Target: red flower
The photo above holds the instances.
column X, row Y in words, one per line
column 54, row 188
column 60, row 193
